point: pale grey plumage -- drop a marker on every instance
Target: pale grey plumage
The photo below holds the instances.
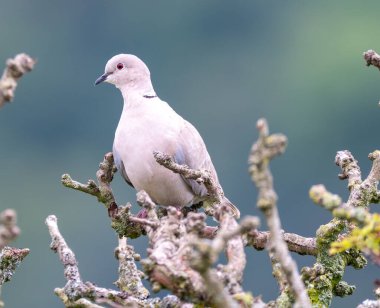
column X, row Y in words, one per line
column 148, row 124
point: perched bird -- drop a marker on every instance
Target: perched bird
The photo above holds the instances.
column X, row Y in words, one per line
column 148, row 124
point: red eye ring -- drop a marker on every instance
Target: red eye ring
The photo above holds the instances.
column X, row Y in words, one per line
column 120, row 66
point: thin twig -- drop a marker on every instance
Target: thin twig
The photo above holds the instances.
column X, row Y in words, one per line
column 372, row 58
column 8, row 227
column 362, row 193
column 215, row 192
column 144, row 222
column 102, row 190
column 265, row 149
column 14, row 70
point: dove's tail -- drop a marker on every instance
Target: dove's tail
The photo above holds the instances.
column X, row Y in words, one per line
column 235, row 211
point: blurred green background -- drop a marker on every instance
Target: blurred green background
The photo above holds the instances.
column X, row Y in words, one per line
column 220, row 64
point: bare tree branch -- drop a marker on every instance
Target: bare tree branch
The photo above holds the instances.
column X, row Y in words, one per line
column 265, row 149
column 102, row 190
column 14, row 70
column 75, row 287
column 129, row 225
column 170, row 236
column 296, row 243
column 77, row 293
column 259, row 240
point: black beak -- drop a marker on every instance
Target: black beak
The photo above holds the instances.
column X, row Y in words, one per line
column 101, row 78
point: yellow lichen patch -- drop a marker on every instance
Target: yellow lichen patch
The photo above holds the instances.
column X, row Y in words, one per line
column 366, row 238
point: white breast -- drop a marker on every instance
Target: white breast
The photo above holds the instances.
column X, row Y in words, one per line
column 144, row 128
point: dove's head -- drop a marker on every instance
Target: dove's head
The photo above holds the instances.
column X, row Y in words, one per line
column 126, row 72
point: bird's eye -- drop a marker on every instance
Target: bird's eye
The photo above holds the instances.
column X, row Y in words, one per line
column 120, row 66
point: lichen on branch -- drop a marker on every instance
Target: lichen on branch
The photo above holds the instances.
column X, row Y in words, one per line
column 342, row 241
column 364, row 228
column 10, row 259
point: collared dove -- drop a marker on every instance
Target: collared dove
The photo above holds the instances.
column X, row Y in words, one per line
column 148, row 124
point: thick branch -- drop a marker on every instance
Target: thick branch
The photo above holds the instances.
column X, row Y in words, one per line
column 166, row 265
column 219, row 297
column 296, row 243
column 201, row 260
column 230, row 239
column 227, row 278
column 14, row 70
column 181, row 261
column 170, row 243
column 129, row 276
column 128, row 225
column 265, row 149
column 259, row 240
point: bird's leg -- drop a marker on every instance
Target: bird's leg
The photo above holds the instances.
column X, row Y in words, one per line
column 191, row 209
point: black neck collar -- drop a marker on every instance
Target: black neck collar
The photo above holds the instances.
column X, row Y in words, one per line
column 149, row 96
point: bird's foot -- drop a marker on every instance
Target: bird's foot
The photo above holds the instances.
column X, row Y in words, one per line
column 112, row 210
column 143, row 213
